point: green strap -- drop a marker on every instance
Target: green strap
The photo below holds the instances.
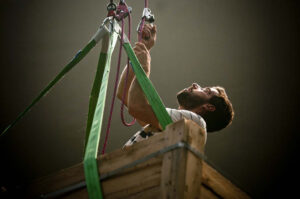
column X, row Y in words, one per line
column 94, row 127
column 149, row 90
column 79, row 56
column 95, row 93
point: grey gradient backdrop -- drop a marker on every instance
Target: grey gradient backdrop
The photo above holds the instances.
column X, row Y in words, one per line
column 249, row 47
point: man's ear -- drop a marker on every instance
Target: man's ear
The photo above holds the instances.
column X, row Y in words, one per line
column 204, row 108
column 210, row 107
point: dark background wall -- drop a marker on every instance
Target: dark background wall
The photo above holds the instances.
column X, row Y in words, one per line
column 249, row 47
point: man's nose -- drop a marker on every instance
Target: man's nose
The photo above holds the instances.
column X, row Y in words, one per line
column 196, row 86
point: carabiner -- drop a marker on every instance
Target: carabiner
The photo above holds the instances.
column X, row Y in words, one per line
column 111, row 8
column 146, row 17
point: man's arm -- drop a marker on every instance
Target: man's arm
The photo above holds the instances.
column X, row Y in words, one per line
column 121, row 85
column 138, row 105
column 148, row 38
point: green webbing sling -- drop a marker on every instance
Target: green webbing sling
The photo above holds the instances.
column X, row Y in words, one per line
column 95, row 92
column 94, row 123
column 151, row 94
column 79, row 56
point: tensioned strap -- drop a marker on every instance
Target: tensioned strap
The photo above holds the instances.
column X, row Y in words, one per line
column 151, row 94
column 96, row 115
column 95, row 92
column 78, row 57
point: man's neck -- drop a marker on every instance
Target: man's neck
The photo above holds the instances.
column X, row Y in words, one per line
column 181, row 108
column 196, row 110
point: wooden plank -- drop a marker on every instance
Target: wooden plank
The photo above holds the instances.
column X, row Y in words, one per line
column 178, row 172
column 142, row 177
column 133, row 182
column 207, row 194
column 174, row 164
column 166, row 181
column 151, row 193
column 52, row 182
column 124, row 156
column 81, row 193
column 196, row 139
column 181, row 169
column 220, row 184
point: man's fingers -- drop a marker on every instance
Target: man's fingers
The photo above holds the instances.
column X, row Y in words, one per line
column 137, row 48
column 149, row 30
column 147, row 27
column 141, row 46
column 146, row 34
column 153, row 29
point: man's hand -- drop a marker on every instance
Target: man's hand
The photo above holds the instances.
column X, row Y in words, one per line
column 143, row 56
column 149, row 35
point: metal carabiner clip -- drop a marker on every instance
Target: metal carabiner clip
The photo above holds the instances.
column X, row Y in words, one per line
column 148, row 17
column 111, row 8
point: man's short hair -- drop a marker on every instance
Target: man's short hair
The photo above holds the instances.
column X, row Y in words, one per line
column 223, row 115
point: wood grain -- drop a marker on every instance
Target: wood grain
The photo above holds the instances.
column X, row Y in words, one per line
column 175, row 174
column 220, row 185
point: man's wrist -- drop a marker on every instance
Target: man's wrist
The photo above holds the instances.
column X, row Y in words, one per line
column 147, row 71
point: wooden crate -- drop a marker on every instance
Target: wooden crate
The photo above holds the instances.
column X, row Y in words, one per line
column 177, row 173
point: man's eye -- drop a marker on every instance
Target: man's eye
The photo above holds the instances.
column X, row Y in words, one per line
column 207, row 90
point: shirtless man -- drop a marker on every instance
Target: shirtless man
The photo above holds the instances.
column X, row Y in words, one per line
column 209, row 107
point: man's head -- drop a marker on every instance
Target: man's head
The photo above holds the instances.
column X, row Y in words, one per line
column 211, row 103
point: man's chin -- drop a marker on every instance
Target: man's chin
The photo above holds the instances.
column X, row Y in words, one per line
column 182, row 97
column 188, row 101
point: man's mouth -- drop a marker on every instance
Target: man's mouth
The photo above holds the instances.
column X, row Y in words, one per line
column 188, row 89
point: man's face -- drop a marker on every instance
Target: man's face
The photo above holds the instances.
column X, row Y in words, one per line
column 194, row 96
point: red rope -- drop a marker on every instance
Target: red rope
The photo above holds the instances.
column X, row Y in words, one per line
column 140, row 31
column 126, row 82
